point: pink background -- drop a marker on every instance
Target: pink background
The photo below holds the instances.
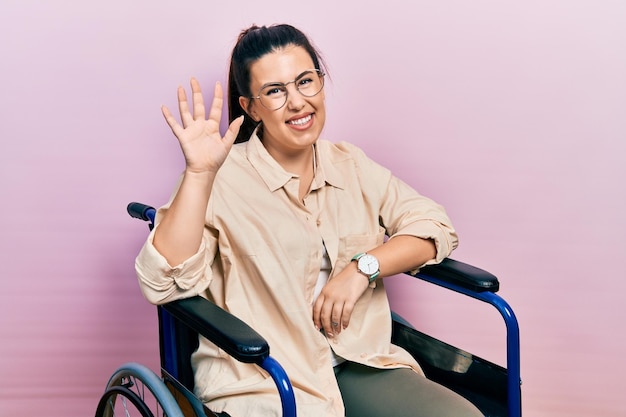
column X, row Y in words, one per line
column 511, row 114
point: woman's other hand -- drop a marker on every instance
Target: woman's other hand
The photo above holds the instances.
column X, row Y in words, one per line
column 333, row 308
column 204, row 148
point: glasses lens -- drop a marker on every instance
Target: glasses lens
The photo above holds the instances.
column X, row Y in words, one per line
column 310, row 83
column 273, row 96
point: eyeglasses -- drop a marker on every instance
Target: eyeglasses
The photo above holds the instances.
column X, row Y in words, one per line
column 273, row 96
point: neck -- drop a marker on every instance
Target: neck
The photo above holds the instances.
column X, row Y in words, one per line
column 301, row 163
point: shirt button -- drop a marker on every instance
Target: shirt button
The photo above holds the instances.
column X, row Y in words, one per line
column 318, row 222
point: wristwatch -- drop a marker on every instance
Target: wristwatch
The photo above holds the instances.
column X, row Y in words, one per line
column 367, row 265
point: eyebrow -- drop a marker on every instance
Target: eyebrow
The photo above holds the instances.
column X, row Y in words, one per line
column 277, row 83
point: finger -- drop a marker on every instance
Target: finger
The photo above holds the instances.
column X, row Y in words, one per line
column 171, row 121
column 183, row 107
column 199, row 112
column 317, row 312
column 233, row 131
column 346, row 314
column 325, row 316
column 336, row 318
column 215, row 113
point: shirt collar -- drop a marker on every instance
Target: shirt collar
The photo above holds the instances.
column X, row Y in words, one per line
column 330, row 164
column 275, row 176
column 268, row 169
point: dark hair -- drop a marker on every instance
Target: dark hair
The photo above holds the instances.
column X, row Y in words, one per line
column 251, row 45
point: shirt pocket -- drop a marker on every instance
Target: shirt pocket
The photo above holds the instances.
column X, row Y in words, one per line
column 351, row 245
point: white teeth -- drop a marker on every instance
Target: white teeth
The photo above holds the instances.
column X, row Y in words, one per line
column 300, row 122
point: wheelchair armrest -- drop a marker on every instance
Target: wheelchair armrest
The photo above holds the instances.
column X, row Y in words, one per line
column 222, row 328
column 460, row 274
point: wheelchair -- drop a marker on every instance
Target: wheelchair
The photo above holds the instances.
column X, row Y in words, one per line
column 135, row 390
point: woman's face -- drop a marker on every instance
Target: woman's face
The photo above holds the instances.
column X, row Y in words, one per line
column 296, row 125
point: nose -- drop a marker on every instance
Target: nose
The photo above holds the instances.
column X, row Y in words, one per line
column 295, row 100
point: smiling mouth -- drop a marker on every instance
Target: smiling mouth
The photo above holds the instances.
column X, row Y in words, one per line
column 300, row 122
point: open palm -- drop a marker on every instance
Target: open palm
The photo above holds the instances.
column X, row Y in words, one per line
column 203, row 146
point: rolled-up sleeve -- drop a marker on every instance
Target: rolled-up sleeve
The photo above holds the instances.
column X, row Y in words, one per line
column 405, row 212
column 160, row 282
column 444, row 237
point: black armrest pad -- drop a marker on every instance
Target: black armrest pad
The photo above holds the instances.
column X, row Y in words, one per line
column 461, row 274
column 222, row 328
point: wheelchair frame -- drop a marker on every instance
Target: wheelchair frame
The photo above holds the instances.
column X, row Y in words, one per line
column 181, row 321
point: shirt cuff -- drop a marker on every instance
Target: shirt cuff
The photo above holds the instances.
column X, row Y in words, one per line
column 161, row 282
column 445, row 238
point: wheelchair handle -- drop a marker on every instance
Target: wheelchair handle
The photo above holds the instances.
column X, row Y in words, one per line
column 141, row 211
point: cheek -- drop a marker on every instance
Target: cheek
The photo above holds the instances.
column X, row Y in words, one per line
column 261, row 114
column 320, row 107
column 272, row 120
column 321, row 99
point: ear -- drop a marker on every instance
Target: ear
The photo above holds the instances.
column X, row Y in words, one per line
column 246, row 104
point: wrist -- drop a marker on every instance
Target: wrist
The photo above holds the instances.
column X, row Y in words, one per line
column 201, row 179
column 367, row 265
column 200, row 174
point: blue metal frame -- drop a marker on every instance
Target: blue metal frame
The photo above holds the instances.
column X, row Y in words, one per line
column 168, row 349
column 150, row 214
column 514, row 395
column 283, row 384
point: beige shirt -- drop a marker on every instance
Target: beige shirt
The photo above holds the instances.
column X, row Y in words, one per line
column 260, row 260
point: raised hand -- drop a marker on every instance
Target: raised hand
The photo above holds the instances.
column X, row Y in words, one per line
column 203, row 146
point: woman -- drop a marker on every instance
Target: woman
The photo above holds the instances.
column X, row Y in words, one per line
column 286, row 231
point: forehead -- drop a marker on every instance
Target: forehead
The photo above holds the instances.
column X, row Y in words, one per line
column 281, row 65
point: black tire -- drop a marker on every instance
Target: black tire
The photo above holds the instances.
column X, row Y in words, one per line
column 111, row 397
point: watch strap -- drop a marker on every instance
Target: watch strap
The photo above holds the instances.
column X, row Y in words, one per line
column 371, row 278
column 357, row 256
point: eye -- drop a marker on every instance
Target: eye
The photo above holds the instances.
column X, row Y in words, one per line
column 305, row 80
column 273, row 90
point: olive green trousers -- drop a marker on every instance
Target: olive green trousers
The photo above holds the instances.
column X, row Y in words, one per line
column 371, row 392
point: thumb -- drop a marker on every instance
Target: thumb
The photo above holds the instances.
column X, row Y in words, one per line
column 233, row 130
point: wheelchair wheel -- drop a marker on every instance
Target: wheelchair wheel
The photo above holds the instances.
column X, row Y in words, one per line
column 122, row 401
column 135, row 391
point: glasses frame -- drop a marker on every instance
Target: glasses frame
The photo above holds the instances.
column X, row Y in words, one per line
column 320, row 74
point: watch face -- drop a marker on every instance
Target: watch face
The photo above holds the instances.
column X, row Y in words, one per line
column 368, row 264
